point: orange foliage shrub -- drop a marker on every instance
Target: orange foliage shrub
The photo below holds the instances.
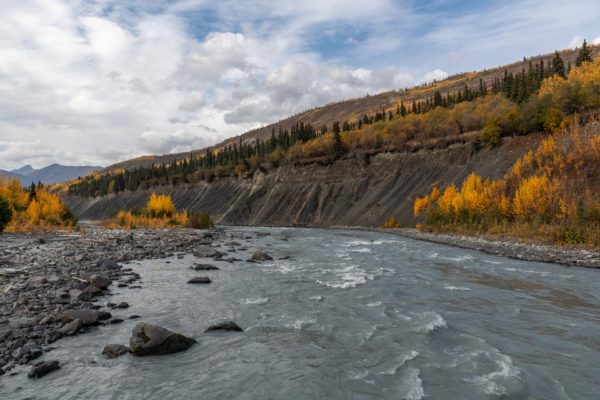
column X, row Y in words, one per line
column 39, row 210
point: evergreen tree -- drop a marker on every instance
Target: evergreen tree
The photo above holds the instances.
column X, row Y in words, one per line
column 402, row 109
column 558, row 67
column 5, row 213
column 338, row 147
column 585, row 54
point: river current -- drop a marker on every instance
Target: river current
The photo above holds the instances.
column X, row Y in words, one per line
column 345, row 315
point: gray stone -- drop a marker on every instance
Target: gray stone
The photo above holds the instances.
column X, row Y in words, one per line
column 261, row 256
column 89, row 293
column 107, row 263
column 71, row 328
column 204, row 267
column 114, row 350
column 147, row 339
column 87, row 317
column 225, row 326
column 43, row 368
column 99, row 281
column 200, row 279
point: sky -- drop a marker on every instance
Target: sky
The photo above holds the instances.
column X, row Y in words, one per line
column 96, row 82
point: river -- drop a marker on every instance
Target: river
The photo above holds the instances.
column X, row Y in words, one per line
column 346, row 315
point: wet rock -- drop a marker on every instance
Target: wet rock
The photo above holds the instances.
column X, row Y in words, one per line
column 261, row 256
column 224, row 326
column 89, row 293
column 114, row 350
column 206, row 252
column 87, row 317
column 122, row 304
column 104, row 315
column 99, row 281
column 134, row 316
column 200, row 279
column 147, row 339
column 114, row 321
column 204, row 267
column 71, row 328
column 43, row 368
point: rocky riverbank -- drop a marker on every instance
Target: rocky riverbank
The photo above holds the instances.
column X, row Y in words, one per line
column 511, row 248
column 59, row 284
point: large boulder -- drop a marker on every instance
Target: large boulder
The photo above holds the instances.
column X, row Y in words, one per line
column 87, row 317
column 148, row 340
column 43, row 368
column 114, row 350
column 99, row 281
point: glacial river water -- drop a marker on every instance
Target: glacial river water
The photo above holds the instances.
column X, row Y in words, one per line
column 349, row 315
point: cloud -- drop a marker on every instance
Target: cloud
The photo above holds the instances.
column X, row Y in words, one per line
column 93, row 82
column 576, row 41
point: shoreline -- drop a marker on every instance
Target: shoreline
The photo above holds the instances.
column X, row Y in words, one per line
column 504, row 247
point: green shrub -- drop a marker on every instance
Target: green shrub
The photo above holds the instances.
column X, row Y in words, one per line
column 490, row 134
column 200, row 221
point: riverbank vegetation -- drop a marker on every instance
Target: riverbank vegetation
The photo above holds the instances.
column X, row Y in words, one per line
column 160, row 212
column 31, row 209
column 552, row 193
column 540, row 98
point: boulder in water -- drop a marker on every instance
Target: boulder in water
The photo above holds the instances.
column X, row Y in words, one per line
column 200, row 279
column 42, row 368
column 204, row 267
column 114, row 350
column 225, row 326
column 261, row 256
column 148, row 340
column 71, row 328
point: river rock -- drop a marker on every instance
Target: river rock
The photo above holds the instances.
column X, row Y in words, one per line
column 205, row 252
column 104, row 315
column 147, row 340
column 87, row 317
column 107, row 263
column 122, row 304
column 71, row 328
column 114, row 350
column 99, row 281
column 204, row 267
column 224, row 326
column 89, row 293
column 42, row 368
column 200, row 279
column 261, row 256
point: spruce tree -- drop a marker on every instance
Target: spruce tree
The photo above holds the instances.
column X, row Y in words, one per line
column 558, row 67
column 585, row 54
column 338, row 147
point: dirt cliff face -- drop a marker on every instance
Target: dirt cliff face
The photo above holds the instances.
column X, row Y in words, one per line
column 352, row 191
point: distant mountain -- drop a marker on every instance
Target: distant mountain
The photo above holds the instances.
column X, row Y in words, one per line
column 26, row 170
column 53, row 173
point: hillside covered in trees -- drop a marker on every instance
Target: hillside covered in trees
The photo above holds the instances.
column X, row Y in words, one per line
column 510, row 104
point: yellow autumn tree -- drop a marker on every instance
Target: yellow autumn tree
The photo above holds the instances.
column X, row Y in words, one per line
column 160, row 206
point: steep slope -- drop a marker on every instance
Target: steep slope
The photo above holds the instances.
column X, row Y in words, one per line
column 352, row 191
column 355, row 108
